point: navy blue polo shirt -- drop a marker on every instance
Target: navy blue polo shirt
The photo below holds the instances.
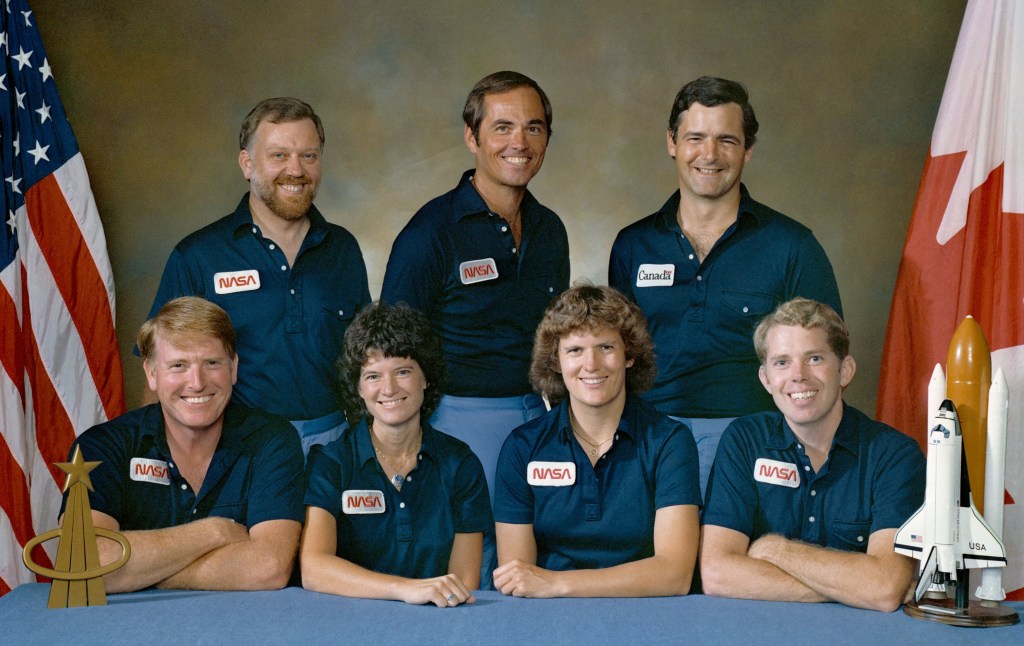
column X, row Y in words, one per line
column 702, row 314
column 763, row 483
column 255, row 474
column 410, row 532
column 291, row 324
column 603, row 515
column 458, row 263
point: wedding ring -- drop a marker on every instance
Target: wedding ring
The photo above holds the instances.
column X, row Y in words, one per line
column 450, row 597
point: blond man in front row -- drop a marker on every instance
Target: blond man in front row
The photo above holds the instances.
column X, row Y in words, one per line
column 803, row 504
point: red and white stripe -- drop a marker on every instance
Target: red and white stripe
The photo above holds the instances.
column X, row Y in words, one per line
column 61, row 366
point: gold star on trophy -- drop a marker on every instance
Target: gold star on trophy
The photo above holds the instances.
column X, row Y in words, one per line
column 77, row 575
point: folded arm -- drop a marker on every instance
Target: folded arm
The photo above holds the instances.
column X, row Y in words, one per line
column 263, row 561
column 161, row 553
column 780, row 569
column 324, row 571
column 668, row 572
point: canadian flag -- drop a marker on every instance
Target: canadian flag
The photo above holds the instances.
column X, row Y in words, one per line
column 964, row 252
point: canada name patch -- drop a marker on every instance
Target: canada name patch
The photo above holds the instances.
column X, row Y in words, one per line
column 229, row 282
column 776, row 473
column 655, row 275
column 477, row 271
column 551, row 474
column 146, row 470
column 362, row 501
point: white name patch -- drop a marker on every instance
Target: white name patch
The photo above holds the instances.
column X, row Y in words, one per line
column 229, row 282
column 146, row 470
column 477, row 271
column 551, row 474
column 362, row 501
column 776, row 473
column 655, row 275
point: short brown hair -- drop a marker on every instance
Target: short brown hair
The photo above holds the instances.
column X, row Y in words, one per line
column 283, row 109
column 807, row 314
column 499, row 83
column 586, row 307
column 186, row 319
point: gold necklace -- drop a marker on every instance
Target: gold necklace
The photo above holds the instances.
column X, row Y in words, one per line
column 398, row 479
column 595, row 449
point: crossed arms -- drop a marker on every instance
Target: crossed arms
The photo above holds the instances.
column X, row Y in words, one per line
column 776, row 568
column 210, row 554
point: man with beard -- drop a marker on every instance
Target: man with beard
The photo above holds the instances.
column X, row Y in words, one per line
column 290, row 280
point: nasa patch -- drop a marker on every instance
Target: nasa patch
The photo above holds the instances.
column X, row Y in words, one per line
column 776, row 473
column 229, row 282
column 362, row 501
column 551, row 474
column 477, row 271
column 146, row 470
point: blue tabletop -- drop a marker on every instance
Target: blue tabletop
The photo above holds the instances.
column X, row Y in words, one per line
column 294, row 615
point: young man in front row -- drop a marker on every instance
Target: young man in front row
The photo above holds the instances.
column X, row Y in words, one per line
column 207, row 491
column 804, row 504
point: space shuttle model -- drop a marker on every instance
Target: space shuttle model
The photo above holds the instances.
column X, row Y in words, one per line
column 947, row 534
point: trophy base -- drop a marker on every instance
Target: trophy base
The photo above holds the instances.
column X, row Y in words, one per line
column 945, row 611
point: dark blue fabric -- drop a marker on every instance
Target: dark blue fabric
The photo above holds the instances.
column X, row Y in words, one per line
column 607, row 517
column 255, row 474
column 703, row 322
column 874, row 479
column 443, row 495
column 486, row 327
column 290, row 330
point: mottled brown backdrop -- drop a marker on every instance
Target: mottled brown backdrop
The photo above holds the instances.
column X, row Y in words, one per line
column 846, row 93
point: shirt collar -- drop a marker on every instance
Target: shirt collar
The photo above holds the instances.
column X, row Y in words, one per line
column 666, row 216
column 846, row 435
column 233, row 431
column 627, row 423
column 241, row 222
column 364, row 445
column 467, row 201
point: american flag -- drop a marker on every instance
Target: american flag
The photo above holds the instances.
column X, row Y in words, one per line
column 61, row 371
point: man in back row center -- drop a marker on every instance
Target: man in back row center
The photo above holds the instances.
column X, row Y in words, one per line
column 710, row 264
column 482, row 262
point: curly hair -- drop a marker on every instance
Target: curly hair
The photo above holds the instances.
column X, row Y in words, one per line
column 393, row 331
column 807, row 314
column 590, row 308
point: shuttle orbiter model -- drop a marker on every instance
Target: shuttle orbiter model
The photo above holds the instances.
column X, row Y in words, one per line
column 947, row 534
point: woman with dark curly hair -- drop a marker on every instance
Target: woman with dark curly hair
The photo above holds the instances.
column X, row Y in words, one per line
column 394, row 508
column 600, row 497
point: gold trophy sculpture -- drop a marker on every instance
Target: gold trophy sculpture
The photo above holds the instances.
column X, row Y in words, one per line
column 78, row 577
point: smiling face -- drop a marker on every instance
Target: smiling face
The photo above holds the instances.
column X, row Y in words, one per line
column 708, row 150
column 392, row 390
column 192, row 381
column 593, row 364
column 806, row 378
column 512, row 141
column 282, row 165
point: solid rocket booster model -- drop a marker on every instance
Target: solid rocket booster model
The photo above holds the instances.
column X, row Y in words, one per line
column 947, row 533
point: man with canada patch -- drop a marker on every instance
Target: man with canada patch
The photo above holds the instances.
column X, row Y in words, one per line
column 804, row 504
column 711, row 263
